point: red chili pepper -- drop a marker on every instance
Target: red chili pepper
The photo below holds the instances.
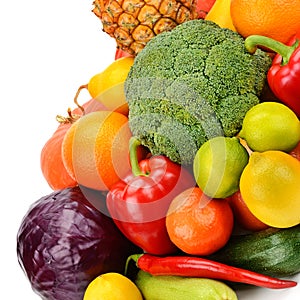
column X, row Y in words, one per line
column 138, row 204
column 284, row 74
column 189, row 266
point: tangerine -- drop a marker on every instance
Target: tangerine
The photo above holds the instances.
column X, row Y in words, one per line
column 197, row 224
column 277, row 19
column 95, row 149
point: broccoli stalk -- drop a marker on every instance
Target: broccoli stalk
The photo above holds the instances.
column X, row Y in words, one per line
column 190, row 84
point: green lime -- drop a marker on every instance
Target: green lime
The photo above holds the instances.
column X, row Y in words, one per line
column 218, row 165
column 271, row 126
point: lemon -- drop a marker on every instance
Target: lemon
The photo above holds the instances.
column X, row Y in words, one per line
column 108, row 86
column 218, row 165
column 112, row 286
column 270, row 187
column 114, row 74
column 271, row 126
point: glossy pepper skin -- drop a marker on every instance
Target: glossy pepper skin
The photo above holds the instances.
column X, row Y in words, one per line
column 284, row 74
column 189, row 266
column 138, row 204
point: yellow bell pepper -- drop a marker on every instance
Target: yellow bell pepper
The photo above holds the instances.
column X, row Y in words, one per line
column 220, row 14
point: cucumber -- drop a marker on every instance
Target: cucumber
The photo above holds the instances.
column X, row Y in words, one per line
column 182, row 288
column 274, row 252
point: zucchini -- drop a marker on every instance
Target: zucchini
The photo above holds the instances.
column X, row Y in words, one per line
column 182, row 288
column 274, row 252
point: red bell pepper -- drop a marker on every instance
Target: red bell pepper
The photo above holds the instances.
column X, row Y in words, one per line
column 138, row 204
column 189, row 266
column 284, row 74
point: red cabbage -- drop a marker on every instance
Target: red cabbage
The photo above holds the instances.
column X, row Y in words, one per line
column 64, row 242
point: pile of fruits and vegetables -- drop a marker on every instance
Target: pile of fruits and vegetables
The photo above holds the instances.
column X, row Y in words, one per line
column 179, row 178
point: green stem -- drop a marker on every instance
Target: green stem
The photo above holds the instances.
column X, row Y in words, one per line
column 134, row 143
column 133, row 257
column 253, row 41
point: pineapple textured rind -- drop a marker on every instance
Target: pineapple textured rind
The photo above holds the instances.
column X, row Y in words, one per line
column 133, row 23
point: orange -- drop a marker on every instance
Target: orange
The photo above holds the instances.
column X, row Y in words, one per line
column 67, row 150
column 243, row 215
column 277, row 19
column 197, row 224
column 52, row 165
column 95, row 149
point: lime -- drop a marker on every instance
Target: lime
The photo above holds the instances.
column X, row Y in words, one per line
column 271, row 126
column 270, row 188
column 218, row 165
column 112, row 286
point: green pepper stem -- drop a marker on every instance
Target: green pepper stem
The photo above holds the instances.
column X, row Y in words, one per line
column 253, row 41
column 135, row 258
column 134, row 143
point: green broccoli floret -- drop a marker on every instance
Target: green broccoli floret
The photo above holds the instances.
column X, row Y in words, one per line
column 190, row 84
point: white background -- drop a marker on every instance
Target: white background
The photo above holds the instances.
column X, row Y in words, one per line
column 48, row 49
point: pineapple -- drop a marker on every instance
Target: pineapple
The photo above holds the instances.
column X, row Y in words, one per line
column 134, row 22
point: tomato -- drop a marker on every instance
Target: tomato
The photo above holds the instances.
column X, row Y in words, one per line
column 120, row 53
column 203, row 7
column 296, row 152
column 51, row 162
column 243, row 215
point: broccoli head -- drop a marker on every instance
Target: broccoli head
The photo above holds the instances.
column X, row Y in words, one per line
column 190, row 84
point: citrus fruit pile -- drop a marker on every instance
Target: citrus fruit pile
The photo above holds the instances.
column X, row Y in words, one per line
column 248, row 182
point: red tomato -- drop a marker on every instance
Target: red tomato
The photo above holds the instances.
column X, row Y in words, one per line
column 296, row 152
column 52, row 165
column 203, row 7
column 243, row 215
column 120, row 53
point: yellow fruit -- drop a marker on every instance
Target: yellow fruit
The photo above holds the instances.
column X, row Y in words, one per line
column 132, row 23
column 270, row 188
column 108, row 86
column 112, row 286
column 220, row 14
column 271, row 126
column 114, row 74
column 218, row 165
